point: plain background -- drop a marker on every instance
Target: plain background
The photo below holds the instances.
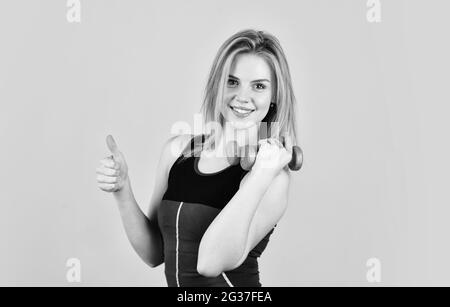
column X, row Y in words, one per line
column 373, row 108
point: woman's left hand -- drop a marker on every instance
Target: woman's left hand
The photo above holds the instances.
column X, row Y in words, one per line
column 272, row 157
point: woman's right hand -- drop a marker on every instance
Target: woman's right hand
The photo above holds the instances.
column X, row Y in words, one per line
column 112, row 174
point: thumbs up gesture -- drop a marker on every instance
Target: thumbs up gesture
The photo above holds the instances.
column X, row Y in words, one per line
column 112, row 174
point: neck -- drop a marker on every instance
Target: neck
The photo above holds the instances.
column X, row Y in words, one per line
column 243, row 137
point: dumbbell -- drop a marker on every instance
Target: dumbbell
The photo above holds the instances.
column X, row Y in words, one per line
column 246, row 155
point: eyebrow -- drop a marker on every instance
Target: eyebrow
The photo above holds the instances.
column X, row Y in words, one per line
column 258, row 80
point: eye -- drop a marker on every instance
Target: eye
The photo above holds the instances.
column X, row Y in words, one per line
column 260, row 86
column 232, row 83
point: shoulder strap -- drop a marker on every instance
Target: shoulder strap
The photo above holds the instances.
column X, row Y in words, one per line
column 195, row 140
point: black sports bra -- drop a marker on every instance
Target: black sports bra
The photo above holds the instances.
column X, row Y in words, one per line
column 187, row 183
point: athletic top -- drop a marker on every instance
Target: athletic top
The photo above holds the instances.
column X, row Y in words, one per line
column 191, row 202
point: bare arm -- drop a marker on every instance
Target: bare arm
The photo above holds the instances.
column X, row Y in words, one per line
column 142, row 231
column 246, row 219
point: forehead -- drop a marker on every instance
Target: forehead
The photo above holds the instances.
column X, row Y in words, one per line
column 250, row 67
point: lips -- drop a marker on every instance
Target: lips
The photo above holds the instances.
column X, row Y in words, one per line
column 240, row 108
column 241, row 111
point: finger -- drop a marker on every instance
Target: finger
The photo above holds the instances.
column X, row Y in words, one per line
column 107, row 187
column 276, row 141
column 102, row 170
column 112, row 146
column 263, row 142
column 111, row 163
column 108, row 162
column 107, row 179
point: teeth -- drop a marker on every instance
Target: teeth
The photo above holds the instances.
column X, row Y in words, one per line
column 241, row 111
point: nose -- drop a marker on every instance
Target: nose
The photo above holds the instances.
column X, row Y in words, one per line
column 241, row 99
column 243, row 96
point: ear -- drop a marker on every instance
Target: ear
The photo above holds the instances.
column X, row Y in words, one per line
column 271, row 113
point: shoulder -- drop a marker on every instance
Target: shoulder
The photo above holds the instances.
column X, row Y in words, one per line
column 172, row 149
column 175, row 145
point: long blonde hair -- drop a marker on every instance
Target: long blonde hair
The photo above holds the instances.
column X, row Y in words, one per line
column 262, row 44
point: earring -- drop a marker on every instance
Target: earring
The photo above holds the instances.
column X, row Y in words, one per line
column 272, row 105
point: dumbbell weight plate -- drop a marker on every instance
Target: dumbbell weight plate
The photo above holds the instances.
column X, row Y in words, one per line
column 297, row 159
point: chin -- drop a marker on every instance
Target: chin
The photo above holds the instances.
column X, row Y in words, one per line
column 239, row 123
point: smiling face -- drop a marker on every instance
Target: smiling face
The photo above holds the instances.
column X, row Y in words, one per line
column 248, row 91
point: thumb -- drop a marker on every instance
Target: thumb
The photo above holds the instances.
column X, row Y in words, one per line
column 112, row 146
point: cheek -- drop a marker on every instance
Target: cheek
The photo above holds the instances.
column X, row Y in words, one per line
column 228, row 94
column 263, row 101
column 225, row 110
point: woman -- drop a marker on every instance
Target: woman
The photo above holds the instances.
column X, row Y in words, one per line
column 209, row 219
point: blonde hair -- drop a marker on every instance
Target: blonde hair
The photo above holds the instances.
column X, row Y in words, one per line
column 267, row 46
